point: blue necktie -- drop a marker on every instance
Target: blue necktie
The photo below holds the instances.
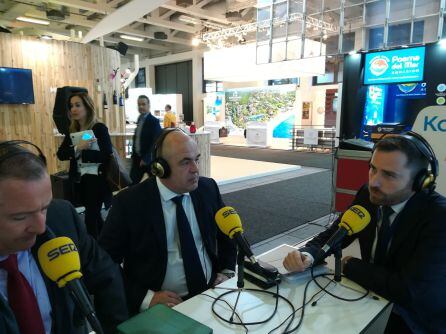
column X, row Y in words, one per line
column 195, row 280
column 384, row 235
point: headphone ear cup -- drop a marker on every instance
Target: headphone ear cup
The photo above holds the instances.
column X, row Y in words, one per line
column 421, row 180
column 159, row 167
column 427, row 182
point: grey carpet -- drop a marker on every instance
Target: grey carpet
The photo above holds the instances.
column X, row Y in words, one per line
column 278, row 207
column 309, row 159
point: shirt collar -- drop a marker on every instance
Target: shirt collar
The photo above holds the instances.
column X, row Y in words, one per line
column 166, row 193
column 397, row 208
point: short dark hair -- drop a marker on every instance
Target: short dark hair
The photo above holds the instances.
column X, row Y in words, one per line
column 16, row 162
column 416, row 160
column 168, row 106
column 144, row 97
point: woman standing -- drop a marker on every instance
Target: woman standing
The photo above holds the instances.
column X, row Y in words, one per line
column 86, row 161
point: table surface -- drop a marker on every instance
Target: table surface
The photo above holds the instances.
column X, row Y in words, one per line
column 330, row 315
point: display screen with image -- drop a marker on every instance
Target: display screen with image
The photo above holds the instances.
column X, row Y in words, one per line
column 16, row 86
column 397, row 66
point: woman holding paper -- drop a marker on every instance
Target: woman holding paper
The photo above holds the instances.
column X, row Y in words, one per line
column 88, row 147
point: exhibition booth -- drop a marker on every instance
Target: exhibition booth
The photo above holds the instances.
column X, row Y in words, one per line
column 387, row 92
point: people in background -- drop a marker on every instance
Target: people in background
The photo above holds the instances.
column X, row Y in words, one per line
column 403, row 248
column 170, row 120
column 29, row 303
column 88, row 158
column 164, row 232
column 147, row 130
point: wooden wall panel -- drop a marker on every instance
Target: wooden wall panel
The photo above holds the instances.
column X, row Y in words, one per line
column 56, row 64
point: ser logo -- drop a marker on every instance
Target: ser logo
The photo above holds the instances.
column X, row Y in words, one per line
column 229, row 212
column 61, row 250
column 358, row 212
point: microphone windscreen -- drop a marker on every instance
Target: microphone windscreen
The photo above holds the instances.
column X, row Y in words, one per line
column 355, row 219
column 228, row 221
column 59, row 260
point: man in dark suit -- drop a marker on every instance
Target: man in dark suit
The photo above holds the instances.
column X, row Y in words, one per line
column 164, row 230
column 147, row 130
column 29, row 301
column 403, row 247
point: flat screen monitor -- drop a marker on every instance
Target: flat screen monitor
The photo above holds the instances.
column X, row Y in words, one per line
column 16, row 86
column 396, row 66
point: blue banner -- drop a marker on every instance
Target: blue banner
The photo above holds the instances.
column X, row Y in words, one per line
column 404, row 65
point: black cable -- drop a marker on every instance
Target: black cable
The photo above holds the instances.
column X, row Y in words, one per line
column 300, row 308
column 276, row 295
column 313, row 278
column 229, row 305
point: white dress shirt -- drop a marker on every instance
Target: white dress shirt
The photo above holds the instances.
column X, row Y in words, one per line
column 175, row 278
column 28, row 267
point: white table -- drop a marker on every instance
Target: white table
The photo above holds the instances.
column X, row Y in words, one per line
column 330, row 315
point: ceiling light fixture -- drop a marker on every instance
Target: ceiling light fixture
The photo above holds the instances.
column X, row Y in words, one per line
column 46, row 37
column 352, row 52
column 195, row 41
column 132, row 38
column 442, row 42
column 32, row 20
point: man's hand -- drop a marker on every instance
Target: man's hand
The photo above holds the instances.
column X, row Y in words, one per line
column 167, row 298
column 344, row 261
column 296, row 262
column 219, row 279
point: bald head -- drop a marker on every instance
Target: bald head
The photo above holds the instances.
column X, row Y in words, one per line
column 181, row 153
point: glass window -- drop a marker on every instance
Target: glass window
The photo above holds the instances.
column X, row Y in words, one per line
column 332, row 4
column 314, row 6
column 400, row 9
column 263, row 54
column 263, row 14
column 294, row 29
column 375, row 13
column 263, row 34
column 430, row 30
column 348, row 42
column 280, row 10
column 294, row 48
column 426, row 7
column 376, row 38
column 278, row 51
column 331, row 44
column 296, row 6
column 444, row 26
column 399, row 34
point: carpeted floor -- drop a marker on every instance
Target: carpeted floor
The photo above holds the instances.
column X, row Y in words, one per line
column 309, row 159
column 277, row 207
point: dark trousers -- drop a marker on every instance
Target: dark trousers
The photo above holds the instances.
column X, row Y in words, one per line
column 396, row 325
column 93, row 192
column 136, row 171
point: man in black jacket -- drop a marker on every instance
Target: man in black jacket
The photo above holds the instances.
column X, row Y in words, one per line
column 147, row 130
column 27, row 210
column 403, row 248
column 167, row 258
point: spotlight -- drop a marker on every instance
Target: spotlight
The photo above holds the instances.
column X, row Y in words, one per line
column 195, row 41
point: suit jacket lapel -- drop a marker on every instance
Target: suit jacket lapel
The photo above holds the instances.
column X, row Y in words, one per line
column 200, row 213
column 7, row 318
column 154, row 212
column 405, row 222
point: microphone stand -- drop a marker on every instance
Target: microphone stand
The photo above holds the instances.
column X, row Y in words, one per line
column 240, row 278
column 338, row 264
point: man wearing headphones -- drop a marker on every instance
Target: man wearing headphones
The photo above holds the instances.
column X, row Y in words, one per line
column 403, row 248
column 164, row 232
column 29, row 302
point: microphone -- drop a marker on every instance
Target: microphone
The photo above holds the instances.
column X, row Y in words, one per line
column 354, row 220
column 59, row 260
column 229, row 223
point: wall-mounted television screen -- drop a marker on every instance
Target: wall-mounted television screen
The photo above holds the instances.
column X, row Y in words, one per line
column 396, row 66
column 16, row 86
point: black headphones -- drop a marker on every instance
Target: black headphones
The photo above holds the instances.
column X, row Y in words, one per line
column 159, row 166
column 425, row 178
column 11, row 148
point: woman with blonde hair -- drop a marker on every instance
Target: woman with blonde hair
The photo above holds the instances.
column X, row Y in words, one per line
column 87, row 159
